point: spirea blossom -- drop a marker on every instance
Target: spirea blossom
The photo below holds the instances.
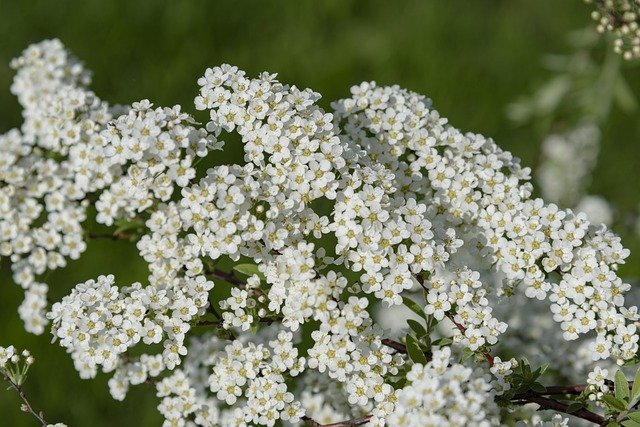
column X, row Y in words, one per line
column 379, row 201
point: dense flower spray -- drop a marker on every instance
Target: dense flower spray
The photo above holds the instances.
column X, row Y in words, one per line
column 381, row 200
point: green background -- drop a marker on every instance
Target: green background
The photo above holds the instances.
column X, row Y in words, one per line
column 471, row 57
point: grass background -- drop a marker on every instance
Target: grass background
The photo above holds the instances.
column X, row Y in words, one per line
column 471, row 57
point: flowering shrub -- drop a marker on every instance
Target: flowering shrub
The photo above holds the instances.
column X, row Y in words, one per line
column 380, row 202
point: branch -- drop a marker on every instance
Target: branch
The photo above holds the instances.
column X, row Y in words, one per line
column 26, row 406
column 114, row 236
column 227, row 277
column 462, row 329
column 548, row 403
column 346, row 423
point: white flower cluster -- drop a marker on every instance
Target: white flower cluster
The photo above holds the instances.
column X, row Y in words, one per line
column 11, row 359
column 622, row 19
column 48, row 169
column 406, row 202
column 159, row 146
column 443, row 392
column 99, row 322
column 472, row 191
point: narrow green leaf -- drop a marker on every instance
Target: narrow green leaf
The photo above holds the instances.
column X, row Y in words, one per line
column 635, row 390
column 417, row 328
column 248, row 270
column 543, row 368
column 415, row 352
column 413, row 306
column 466, row 354
column 126, row 225
column 443, row 342
column 635, row 416
column 537, row 387
column 621, row 386
column 624, row 96
column 575, row 406
column 614, row 403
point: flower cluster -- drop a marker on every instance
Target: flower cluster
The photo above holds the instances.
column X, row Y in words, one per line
column 48, row 170
column 443, row 392
column 14, row 365
column 621, row 18
column 99, row 322
column 380, row 201
column 157, row 148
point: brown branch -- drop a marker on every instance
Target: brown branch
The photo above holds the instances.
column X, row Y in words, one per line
column 26, row 406
column 401, row 348
column 554, row 405
column 226, row 276
column 346, row 423
column 462, row 329
column 114, row 236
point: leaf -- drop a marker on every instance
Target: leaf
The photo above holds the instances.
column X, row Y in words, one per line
column 126, row 225
column 575, row 406
column 537, row 387
column 635, row 416
column 621, row 386
column 549, row 96
column 466, row 354
column 542, row 369
column 635, row 390
column 624, row 96
column 614, row 402
column 630, row 423
column 248, row 270
column 443, row 342
column 415, row 352
column 413, row 306
column 417, row 328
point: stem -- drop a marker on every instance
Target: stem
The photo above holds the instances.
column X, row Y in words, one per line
column 548, row 403
column 114, row 236
column 462, row 329
column 346, row 423
column 26, row 406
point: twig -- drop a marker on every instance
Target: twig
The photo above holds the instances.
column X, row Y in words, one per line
column 114, row 236
column 346, row 423
column 462, row 329
column 26, row 406
column 548, row 403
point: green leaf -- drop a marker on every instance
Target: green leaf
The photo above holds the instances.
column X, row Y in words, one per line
column 443, row 342
column 635, row 389
column 537, row 387
column 542, row 369
column 466, row 354
column 248, row 270
column 630, row 423
column 614, row 403
column 413, row 306
column 417, row 328
column 621, row 386
column 613, row 423
column 415, row 352
column 635, row 416
column 624, row 96
column 126, row 225
column 575, row 406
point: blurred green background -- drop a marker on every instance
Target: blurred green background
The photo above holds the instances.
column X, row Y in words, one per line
column 471, row 57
